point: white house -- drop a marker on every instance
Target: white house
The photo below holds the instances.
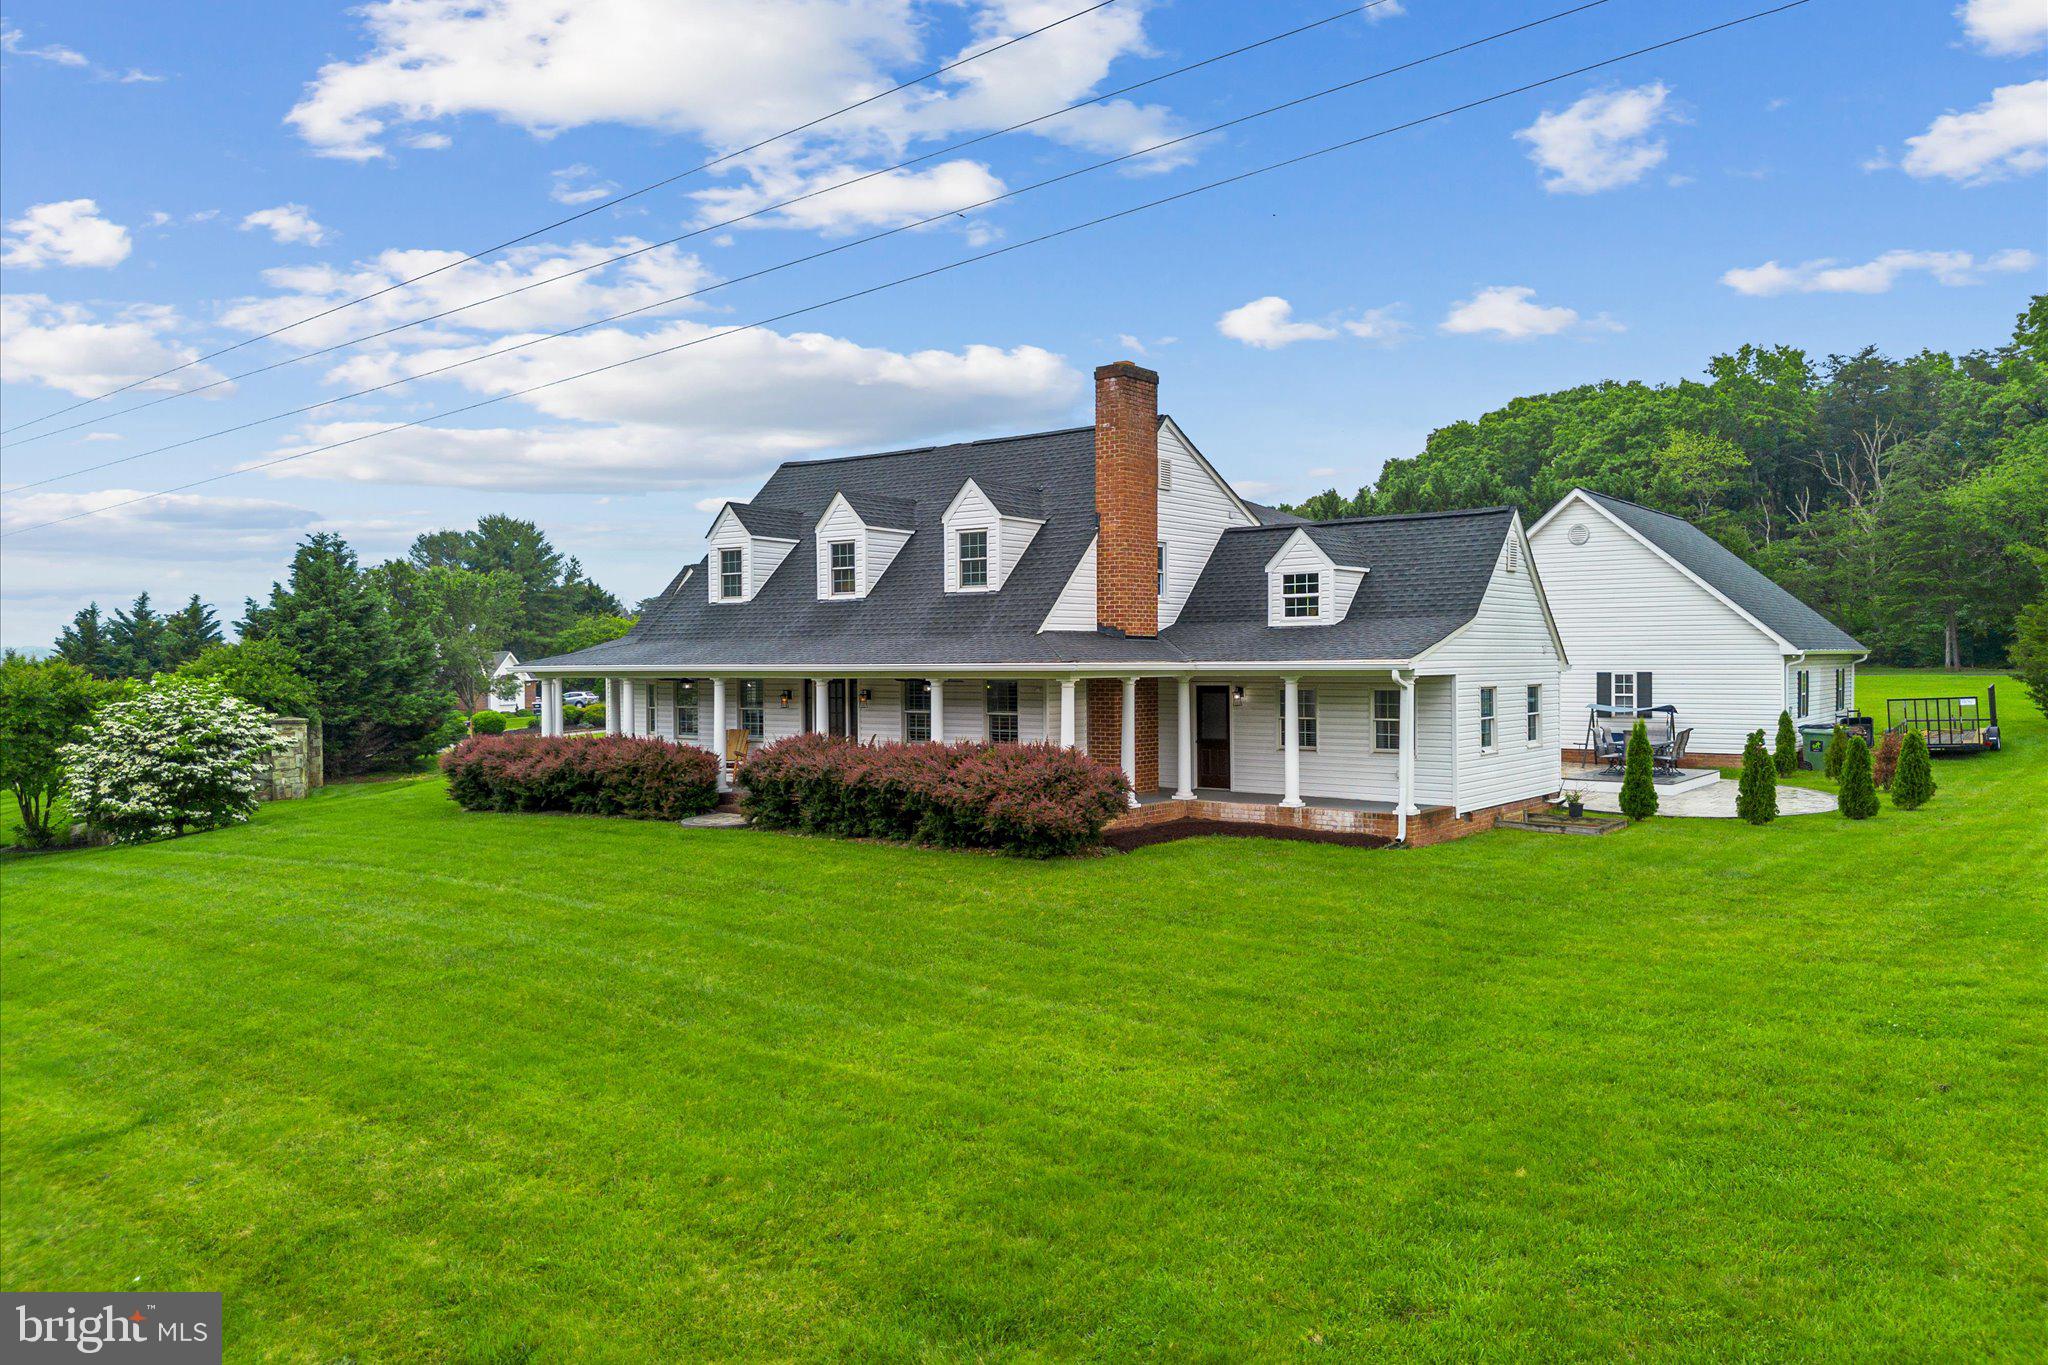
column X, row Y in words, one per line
column 1654, row 611
column 512, row 688
column 1104, row 587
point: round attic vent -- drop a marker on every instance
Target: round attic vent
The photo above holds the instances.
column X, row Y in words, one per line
column 1578, row 534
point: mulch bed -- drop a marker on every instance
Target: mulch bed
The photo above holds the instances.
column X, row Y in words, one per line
column 1142, row 836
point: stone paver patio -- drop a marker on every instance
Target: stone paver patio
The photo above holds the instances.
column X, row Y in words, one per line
column 1717, row 802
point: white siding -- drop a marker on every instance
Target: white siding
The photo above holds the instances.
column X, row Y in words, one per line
column 763, row 556
column 874, row 548
column 1075, row 607
column 1338, row 585
column 1436, row 774
column 1820, row 669
column 1506, row 647
column 1621, row 607
column 1008, row 537
column 1193, row 513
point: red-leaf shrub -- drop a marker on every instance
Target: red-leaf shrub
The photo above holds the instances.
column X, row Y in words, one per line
column 642, row 779
column 1038, row 800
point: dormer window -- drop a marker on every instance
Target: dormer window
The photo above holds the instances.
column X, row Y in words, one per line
column 732, row 573
column 973, row 559
column 858, row 538
column 845, row 581
column 1301, row 596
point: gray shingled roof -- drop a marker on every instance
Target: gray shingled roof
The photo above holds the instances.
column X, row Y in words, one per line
column 1016, row 500
column 1427, row 575
column 1730, row 575
column 879, row 509
column 766, row 519
column 1273, row 516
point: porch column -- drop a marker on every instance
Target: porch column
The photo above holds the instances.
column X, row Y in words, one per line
column 1290, row 725
column 550, row 707
column 938, row 686
column 629, row 709
column 718, row 731
column 614, row 719
column 820, row 724
column 1130, row 736
column 1067, row 686
column 1184, row 714
column 1405, row 800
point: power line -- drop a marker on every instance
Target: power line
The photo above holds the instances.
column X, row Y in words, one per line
column 1349, row 11
column 598, row 207
column 941, row 216
column 1120, row 214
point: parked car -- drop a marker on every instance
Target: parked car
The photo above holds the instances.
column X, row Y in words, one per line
column 579, row 698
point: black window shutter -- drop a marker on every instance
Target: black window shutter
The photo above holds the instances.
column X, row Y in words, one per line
column 1604, row 689
column 1642, row 689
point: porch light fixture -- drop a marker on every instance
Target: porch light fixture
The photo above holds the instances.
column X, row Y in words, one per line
column 784, row 698
column 1237, row 695
column 866, row 696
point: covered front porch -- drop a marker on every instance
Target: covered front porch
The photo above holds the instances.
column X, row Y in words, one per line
column 1341, row 750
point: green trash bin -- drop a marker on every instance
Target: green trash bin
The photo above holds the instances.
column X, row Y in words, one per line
column 1813, row 745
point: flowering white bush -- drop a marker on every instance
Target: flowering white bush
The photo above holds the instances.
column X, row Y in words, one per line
column 180, row 755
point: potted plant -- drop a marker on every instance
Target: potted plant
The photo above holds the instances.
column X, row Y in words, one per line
column 1575, row 804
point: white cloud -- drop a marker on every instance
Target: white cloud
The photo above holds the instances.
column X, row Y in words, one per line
column 14, row 44
column 1952, row 268
column 711, row 414
column 885, row 201
column 1384, row 10
column 2005, row 28
column 2007, row 135
column 1269, row 324
column 66, row 232
column 1602, row 142
column 187, row 525
column 428, row 142
column 579, row 184
column 661, row 273
column 1383, row 325
column 1511, row 313
column 287, row 223
column 68, row 347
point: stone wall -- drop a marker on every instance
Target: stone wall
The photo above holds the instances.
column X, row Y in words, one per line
column 294, row 769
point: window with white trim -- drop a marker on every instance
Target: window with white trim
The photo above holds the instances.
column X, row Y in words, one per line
column 1301, row 596
column 1162, row 569
column 686, row 709
column 843, row 584
column 973, row 559
column 1841, row 690
column 1386, row 720
column 1805, row 694
column 917, row 710
column 753, row 714
column 1624, row 691
column 1305, row 717
column 1486, row 728
column 1535, row 713
column 1002, row 712
column 732, row 573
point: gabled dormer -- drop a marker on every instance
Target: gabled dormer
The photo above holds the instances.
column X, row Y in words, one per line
column 748, row 543
column 1305, row 587
column 988, row 526
column 858, row 539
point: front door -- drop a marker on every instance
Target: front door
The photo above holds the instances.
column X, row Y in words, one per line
column 842, row 708
column 1212, row 737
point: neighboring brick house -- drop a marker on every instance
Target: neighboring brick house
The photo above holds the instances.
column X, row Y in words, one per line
column 1104, row 587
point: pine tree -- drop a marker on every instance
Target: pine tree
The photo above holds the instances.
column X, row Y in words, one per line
column 135, row 640
column 84, row 643
column 1756, row 795
column 188, row 630
column 1837, row 746
column 1913, row 787
column 1858, row 797
column 1886, row 761
column 373, row 676
column 1787, row 752
column 1638, row 789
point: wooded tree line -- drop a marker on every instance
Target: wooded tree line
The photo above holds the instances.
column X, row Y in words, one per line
column 384, row 654
column 1906, row 499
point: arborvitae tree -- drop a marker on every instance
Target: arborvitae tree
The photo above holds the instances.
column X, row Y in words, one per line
column 1837, row 746
column 1858, row 797
column 373, row 676
column 187, row 631
column 1786, row 754
column 135, row 640
column 1756, row 796
column 1638, row 789
column 1913, row 787
column 1886, row 761
column 84, row 643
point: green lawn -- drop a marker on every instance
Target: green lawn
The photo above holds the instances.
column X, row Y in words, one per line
column 404, row 1082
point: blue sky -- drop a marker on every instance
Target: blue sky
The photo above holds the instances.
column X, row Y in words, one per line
column 178, row 178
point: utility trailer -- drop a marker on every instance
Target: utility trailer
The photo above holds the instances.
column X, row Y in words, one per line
column 1951, row 725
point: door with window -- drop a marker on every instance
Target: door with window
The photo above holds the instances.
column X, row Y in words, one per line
column 1212, row 736
column 842, row 708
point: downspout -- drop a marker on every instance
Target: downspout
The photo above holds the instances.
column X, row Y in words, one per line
column 1404, row 797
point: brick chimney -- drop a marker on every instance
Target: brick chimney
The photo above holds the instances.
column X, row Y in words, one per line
column 1127, row 498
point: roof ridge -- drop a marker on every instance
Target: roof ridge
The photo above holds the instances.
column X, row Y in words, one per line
column 1372, row 520
column 1639, row 506
column 925, row 450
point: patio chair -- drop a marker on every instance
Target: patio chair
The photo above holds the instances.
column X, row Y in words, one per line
column 736, row 742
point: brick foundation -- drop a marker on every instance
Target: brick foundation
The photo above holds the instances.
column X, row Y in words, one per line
column 1435, row 826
